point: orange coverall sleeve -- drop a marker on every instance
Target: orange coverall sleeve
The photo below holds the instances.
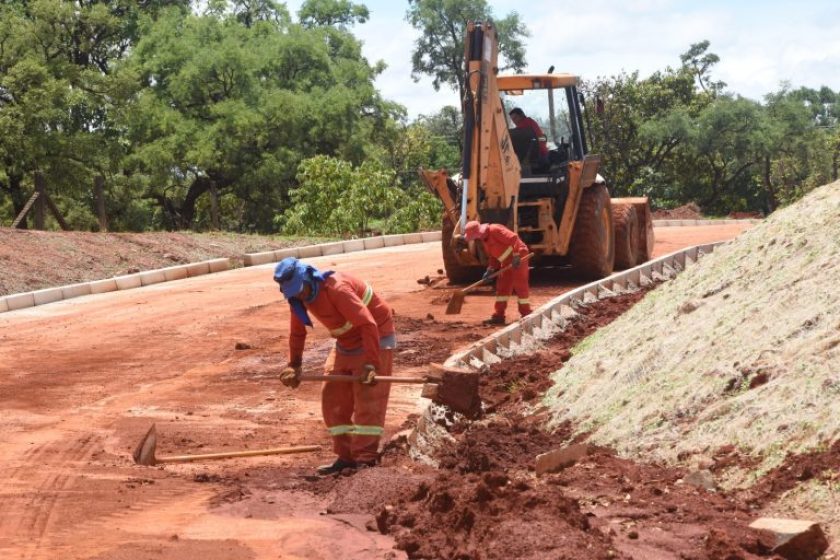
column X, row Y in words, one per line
column 297, row 339
column 353, row 309
column 505, row 238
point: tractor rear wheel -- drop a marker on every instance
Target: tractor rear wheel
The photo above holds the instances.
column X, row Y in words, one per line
column 455, row 271
column 626, row 224
column 644, row 245
column 592, row 248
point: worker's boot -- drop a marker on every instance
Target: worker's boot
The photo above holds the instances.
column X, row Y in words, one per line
column 338, row 466
column 495, row 320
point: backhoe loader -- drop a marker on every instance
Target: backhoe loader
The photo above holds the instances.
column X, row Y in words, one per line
column 559, row 205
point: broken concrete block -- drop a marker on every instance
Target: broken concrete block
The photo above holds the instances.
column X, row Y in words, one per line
column 560, row 459
column 796, row 539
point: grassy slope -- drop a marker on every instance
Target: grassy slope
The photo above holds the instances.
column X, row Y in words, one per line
column 672, row 376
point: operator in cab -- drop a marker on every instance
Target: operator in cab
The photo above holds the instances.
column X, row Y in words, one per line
column 519, row 119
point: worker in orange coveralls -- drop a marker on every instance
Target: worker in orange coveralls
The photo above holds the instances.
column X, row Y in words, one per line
column 362, row 324
column 503, row 247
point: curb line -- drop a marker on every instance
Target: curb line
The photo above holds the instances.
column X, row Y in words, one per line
column 340, row 247
column 724, row 222
column 551, row 317
column 13, row 302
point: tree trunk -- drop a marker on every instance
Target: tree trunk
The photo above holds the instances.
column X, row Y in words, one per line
column 99, row 199
column 40, row 208
column 18, row 197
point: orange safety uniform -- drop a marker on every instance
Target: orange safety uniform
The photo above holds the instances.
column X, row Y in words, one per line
column 500, row 244
column 363, row 326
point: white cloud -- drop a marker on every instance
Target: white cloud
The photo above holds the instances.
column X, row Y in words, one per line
column 760, row 44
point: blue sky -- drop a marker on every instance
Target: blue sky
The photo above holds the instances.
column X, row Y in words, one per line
column 761, row 44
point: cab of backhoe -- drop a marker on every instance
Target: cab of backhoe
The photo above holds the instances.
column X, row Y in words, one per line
column 553, row 101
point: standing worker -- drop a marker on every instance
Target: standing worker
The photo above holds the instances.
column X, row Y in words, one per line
column 363, row 326
column 503, row 247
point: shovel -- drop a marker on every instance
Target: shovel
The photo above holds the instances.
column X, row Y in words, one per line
column 452, row 387
column 145, row 452
column 457, row 301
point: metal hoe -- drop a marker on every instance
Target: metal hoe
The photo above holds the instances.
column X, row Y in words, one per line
column 144, row 454
column 457, row 301
column 452, row 387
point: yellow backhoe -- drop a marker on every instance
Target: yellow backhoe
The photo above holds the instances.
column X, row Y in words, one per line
column 551, row 195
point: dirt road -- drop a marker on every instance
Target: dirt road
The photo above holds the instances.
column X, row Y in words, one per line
column 81, row 381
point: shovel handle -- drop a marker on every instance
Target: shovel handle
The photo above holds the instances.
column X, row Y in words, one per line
column 350, row 378
column 480, row 282
column 225, row 455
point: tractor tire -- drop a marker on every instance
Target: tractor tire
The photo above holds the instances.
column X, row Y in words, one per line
column 645, row 241
column 626, row 225
column 592, row 248
column 455, row 271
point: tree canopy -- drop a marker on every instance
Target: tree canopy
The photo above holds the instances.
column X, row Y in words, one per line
column 439, row 51
column 238, row 115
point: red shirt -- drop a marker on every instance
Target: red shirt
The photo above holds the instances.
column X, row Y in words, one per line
column 528, row 122
column 500, row 244
column 355, row 316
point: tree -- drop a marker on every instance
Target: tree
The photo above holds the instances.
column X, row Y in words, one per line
column 335, row 198
column 439, row 51
column 58, row 92
column 700, row 63
column 339, row 13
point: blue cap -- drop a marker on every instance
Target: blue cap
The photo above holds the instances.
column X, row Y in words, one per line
column 290, row 273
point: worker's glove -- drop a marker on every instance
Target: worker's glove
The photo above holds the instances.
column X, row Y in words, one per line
column 486, row 278
column 290, row 377
column 368, row 375
column 516, row 260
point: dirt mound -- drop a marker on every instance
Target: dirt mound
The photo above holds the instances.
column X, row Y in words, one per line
column 32, row 260
column 688, row 211
column 491, row 515
column 485, row 502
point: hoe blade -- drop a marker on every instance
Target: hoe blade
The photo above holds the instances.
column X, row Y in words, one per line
column 456, row 302
column 144, row 454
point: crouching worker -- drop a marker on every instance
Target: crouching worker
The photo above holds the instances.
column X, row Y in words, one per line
column 362, row 324
column 503, row 247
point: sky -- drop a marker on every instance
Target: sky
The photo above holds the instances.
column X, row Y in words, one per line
column 761, row 44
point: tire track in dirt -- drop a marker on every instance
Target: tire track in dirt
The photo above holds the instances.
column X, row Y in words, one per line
column 31, row 512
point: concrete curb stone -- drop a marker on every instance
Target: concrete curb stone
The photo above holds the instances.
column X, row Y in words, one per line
column 20, row 301
column 47, row 295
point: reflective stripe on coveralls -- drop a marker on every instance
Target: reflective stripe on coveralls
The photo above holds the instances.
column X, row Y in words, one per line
column 505, row 255
column 353, row 430
column 366, row 299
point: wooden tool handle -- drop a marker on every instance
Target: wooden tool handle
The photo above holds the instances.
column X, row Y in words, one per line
column 225, row 455
column 480, row 282
column 350, row 378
